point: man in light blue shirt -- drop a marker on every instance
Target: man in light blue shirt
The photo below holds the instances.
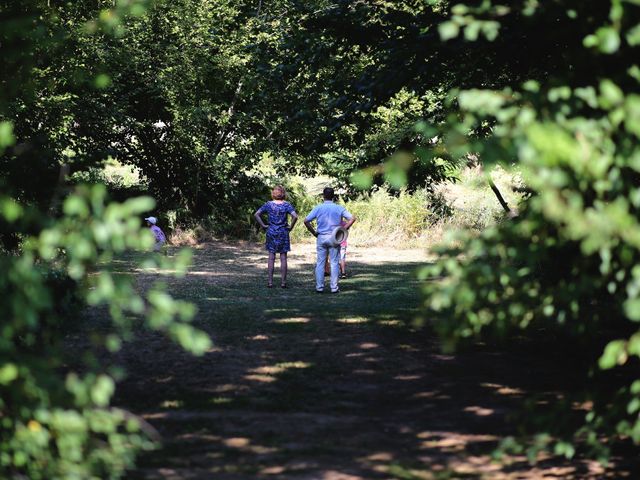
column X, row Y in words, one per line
column 328, row 216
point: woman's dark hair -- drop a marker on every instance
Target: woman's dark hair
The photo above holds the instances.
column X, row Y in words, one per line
column 278, row 193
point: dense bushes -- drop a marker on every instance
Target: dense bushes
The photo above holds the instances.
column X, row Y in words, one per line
column 57, row 243
column 57, row 423
column 566, row 271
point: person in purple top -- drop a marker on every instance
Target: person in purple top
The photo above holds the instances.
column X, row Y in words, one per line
column 278, row 228
column 157, row 233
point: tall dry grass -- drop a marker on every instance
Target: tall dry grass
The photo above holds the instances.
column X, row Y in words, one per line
column 385, row 219
column 407, row 220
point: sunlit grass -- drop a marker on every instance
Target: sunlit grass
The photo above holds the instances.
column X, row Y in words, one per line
column 292, row 320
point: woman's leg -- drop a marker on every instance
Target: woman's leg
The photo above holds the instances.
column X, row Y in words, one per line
column 283, row 269
column 272, row 260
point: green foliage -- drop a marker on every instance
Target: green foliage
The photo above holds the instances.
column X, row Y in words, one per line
column 57, row 246
column 565, row 272
column 230, row 83
column 56, row 422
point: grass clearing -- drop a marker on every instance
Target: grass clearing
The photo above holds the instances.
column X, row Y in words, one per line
column 307, row 386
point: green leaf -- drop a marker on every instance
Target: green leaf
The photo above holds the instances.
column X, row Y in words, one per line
column 448, row 30
column 614, row 354
column 10, row 210
column 76, row 206
column 396, row 177
column 588, row 94
column 565, row 449
column 102, row 390
column 426, row 129
column 607, row 39
column 6, row 135
column 362, row 179
column 8, row 373
column 633, row 36
column 102, row 81
column 615, row 15
column 460, row 9
column 610, row 94
column 472, row 31
column 633, row 406
column 484, row 102
column 113, row 343
column 633, row 346
column 559, row 93
column 632, row 309
column 491, row 29
column 137, row 10
column 632, row 117
column 191, row 339
column 139, row 205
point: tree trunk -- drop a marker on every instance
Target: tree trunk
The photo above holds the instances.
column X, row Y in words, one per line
column 501, row 199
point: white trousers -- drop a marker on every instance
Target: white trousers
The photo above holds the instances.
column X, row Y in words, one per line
column 325, row 248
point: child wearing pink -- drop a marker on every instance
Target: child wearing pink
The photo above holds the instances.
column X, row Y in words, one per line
column 343, row 255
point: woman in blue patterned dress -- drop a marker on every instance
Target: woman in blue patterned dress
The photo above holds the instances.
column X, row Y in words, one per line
column 278, row 228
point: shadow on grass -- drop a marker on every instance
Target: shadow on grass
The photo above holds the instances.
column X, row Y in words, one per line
column 301, row 385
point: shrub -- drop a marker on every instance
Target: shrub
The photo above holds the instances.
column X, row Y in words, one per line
column 566, row 271
column 57, row 424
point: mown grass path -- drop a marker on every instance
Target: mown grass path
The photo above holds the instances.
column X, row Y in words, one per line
column 306, row 386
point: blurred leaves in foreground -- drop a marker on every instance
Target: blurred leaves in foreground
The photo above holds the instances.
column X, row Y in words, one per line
column 565, row 273
column 56, row 422
column 57, row 249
